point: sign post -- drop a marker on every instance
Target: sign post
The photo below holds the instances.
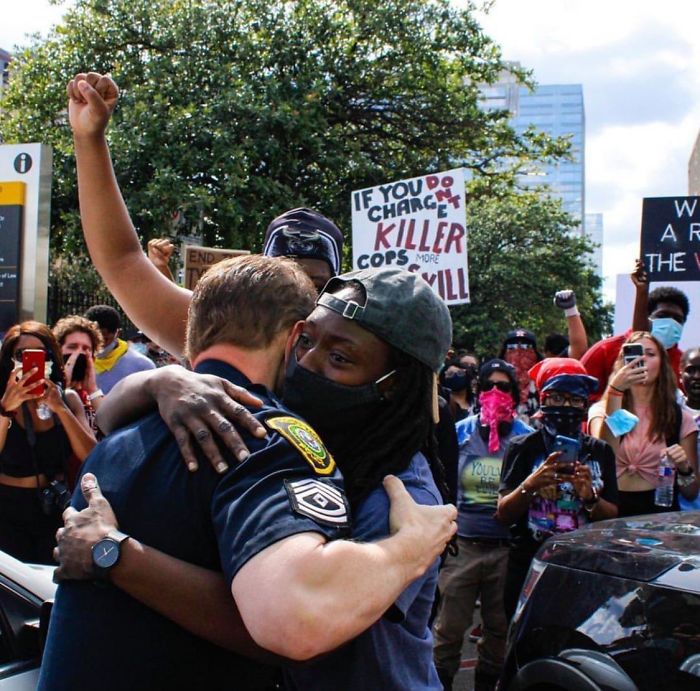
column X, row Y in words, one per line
column 30, row 165
column 419, row 225
column 12, row 196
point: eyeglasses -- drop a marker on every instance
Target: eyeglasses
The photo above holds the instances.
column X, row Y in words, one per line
column 556, row 398
column 518, row 346
column 17, row 355
column 503, row 386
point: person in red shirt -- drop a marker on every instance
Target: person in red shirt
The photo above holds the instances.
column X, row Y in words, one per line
column 666, row 310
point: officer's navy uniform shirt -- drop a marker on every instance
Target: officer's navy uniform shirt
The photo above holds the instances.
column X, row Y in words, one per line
column 102, row 638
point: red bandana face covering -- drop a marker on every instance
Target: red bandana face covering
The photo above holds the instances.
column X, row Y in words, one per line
column 522, row 359
column 496, row 406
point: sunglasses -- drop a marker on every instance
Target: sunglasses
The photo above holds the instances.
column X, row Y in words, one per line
column 518, row 346
column 503, row 386
column 558, row 399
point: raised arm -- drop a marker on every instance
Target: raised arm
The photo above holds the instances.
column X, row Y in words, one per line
column 110, row 236
column 578, row 339
column 640, row 279
column 299, row 597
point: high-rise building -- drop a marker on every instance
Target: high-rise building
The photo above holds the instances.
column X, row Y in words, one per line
column 556, row 110
column 5, row 58
column 593, row 228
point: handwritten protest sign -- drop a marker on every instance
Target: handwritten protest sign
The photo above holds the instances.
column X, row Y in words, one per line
column 670, row 242
column 199, row 259
column 417, row 224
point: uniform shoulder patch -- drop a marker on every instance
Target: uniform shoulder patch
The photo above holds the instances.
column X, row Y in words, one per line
column 320, row 501
column 305, row 440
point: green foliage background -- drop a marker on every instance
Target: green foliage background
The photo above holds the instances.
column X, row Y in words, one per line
column 233, row 111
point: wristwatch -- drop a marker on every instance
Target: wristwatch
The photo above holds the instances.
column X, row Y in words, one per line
column 106, row 553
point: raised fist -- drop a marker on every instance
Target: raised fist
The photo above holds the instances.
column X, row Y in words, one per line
column 565, row 299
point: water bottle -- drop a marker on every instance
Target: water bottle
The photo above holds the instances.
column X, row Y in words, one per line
column 663, row 496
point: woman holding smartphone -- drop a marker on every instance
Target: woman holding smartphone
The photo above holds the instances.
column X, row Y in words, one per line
column 645, row 386
column 40, row 425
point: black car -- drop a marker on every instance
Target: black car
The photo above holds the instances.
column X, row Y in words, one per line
column 613, row 606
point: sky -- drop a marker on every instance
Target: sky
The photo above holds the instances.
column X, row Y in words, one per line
column 639, row 64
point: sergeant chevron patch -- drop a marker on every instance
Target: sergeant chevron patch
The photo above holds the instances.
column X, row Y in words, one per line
column 320, row 501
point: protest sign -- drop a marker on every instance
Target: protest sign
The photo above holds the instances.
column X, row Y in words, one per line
column 199, row 259
column 419, row 225
column 670, row 241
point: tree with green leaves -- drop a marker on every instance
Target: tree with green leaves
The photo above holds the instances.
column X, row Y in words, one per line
column 522, row 249
column 233, row 111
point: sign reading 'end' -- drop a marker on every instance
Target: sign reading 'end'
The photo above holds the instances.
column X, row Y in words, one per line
column 670, row 243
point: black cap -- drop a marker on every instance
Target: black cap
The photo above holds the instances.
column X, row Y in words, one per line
column 401, row 309
column 305, row 233
column 521, row 335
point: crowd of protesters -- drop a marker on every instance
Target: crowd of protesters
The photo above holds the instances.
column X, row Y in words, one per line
column 202, row 484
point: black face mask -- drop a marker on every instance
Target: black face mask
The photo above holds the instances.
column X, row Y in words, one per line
column 458, row 381
column 565, row 420
column 336, row 411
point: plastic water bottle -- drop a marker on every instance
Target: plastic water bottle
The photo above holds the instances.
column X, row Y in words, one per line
column 664, row 489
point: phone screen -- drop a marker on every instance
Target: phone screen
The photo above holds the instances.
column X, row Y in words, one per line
column 34, row 358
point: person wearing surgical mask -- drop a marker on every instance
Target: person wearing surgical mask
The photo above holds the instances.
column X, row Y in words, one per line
column 663, row 312
column 478, row 568
column 640, row 418
column 541, row 494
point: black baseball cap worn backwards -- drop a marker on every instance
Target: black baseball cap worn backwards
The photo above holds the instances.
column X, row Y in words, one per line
column 304, row 233
column 401, row 309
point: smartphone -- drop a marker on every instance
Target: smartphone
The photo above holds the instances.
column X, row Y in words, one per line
column 569, row 449
column 34, row 358
column 631, row 351
column 79, row 368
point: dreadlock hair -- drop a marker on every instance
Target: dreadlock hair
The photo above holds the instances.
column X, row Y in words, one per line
column 405, row 428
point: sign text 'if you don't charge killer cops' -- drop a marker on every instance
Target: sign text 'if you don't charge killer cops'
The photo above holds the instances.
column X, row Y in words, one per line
column 417, row 224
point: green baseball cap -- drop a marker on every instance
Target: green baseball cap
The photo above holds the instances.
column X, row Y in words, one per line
column 401, row 309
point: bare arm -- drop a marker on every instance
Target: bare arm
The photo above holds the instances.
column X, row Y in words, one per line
column 110, row 236
column 300, row 597
column 72, row 416
column 194, row 406
column 640, row 316
column 578, row 339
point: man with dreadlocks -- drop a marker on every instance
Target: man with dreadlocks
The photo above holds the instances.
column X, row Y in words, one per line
column 361, row 370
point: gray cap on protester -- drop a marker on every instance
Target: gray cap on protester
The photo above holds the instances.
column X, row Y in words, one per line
column 401, row 309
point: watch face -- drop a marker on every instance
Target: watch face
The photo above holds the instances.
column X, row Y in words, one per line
column 105, row 553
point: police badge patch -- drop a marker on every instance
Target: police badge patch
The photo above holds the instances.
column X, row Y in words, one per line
column 305, row 440
column 320, row 501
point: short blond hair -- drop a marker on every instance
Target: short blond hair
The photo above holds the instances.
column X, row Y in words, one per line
column 247, row 301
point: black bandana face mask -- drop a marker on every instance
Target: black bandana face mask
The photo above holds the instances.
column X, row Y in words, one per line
column 336, row 411
column 565, row 420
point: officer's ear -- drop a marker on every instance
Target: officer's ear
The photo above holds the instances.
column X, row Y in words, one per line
column 292, row 340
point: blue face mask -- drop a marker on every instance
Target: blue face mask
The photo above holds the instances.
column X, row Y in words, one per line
column 621, row 422
column 140, row 348
column 668, row 331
